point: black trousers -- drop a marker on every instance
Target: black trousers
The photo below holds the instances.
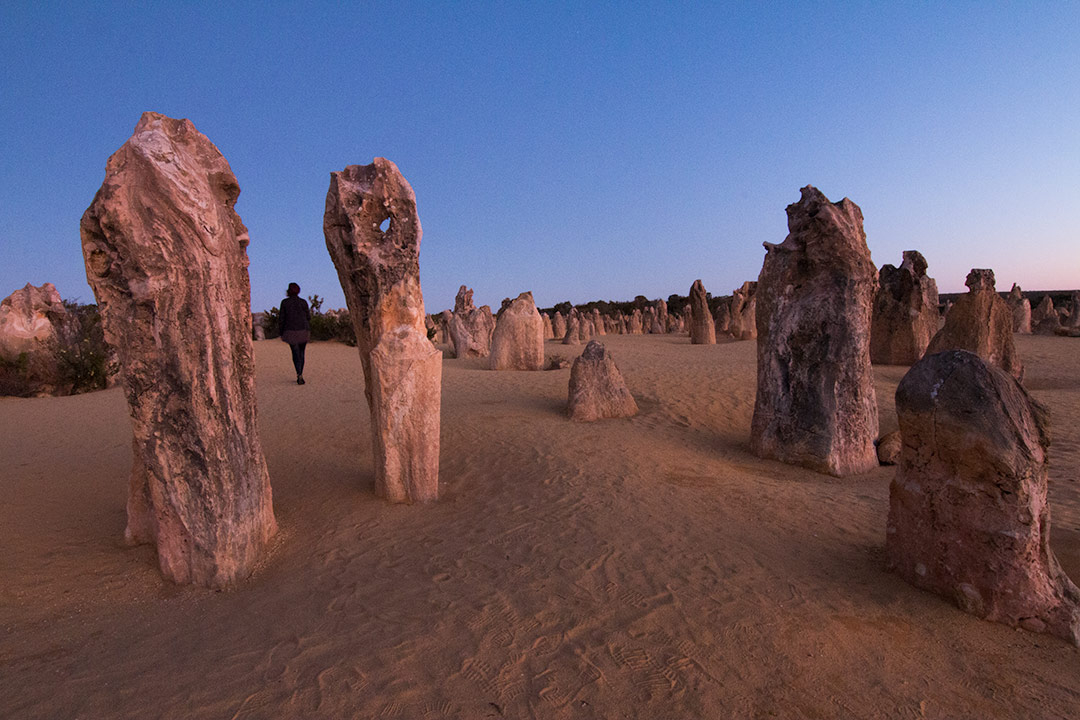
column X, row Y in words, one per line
column 298, row 357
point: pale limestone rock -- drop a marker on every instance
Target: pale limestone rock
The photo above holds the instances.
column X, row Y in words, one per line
column 373, row 235
column 549, row 331
column 518, row 342
column 598, row 322
column 166, row 256
column 558, row 325
column 471, row 327
column 702, row 327
column 597, row 388
column 968, row 511
column 980, row 322
column 635, row 325
column 34, row 327
column 1021, row 310
column 572, row 336
column 815, row 401
column 31, row 320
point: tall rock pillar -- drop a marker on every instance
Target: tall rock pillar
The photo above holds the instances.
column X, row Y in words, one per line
column 373, row 235
column 815, row 403
column 166, row 257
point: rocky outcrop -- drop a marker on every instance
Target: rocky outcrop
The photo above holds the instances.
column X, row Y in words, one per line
column 905, row 314
column 444, row 321
column 888, row 448
column 31, row 319
column 166, row 256
column 702, row 328
column 34, row 328
column 471, row 327
column 572, row 336
column 598, row 323
column 558, row 325
column 634, row 324
column 258, row 326
column 373, row 234
column 1021, row 310
column 1046, row 319
column 549, row 331
column 722, row 317
column 815, row 402
column 980, row 322
column 518, row 342
column 597, row 388
column 968, row 512
column 1073, row 321
column 744, row 312
column 658, row 322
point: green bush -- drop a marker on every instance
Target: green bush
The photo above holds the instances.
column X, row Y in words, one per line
column 78, row 361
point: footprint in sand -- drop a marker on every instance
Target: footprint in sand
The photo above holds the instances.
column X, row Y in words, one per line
column 278, row 659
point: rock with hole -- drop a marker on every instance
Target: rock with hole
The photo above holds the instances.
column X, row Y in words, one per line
column 373, row 235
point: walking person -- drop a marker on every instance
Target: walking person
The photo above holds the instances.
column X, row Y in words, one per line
column 294, row 323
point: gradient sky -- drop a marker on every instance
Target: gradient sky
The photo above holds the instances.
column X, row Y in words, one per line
column 580, row 150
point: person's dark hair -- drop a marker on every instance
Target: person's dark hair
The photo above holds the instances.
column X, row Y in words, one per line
column 293, row 290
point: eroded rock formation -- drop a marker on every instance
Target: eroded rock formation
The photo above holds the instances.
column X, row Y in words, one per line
column 905, row 315
column 166, row 256
column 815, row 401
column 722, row 317
column 518, row 342
column 1021, row 310
column 980, row 322
column 373, row 235
column 744, row 312
column 471, row 327
column 572, row 336
column 702, row 328
column 968, row 512
column 34, row 328
column 558, row 325
column 597, row 388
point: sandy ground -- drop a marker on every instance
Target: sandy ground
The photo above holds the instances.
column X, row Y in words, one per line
column 641, row 568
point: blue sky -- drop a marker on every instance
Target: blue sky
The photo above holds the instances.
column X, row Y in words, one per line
column 579, row 150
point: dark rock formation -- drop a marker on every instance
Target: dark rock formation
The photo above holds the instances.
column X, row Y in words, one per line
column 744, row 312
column 968, row 513
column 905, row 315
column 815, row 389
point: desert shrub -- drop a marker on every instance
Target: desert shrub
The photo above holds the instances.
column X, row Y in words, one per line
column 15, row 376
column 78, row 360
column 336, row 325
column 270, row 323
column 84, row 360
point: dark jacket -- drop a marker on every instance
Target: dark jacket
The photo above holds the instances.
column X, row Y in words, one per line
column 294, row 320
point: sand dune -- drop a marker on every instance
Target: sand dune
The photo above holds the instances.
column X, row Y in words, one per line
column 640, row 568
